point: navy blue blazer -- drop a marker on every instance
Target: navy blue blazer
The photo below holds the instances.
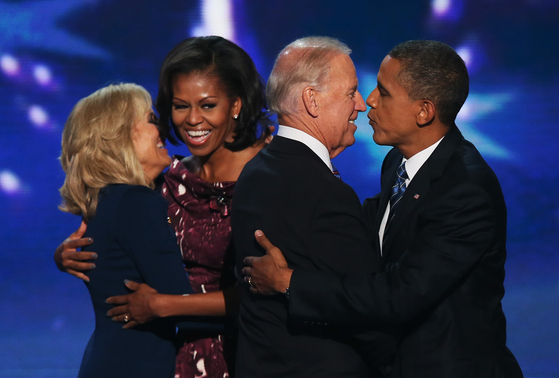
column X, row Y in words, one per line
column 133, row 241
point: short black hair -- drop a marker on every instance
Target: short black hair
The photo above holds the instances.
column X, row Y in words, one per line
column 236, row 72
column 432, row 70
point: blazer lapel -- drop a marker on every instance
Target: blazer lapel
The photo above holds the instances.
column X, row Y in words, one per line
column 431, row 170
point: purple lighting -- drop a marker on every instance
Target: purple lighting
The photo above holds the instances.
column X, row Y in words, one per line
column 42, row 74
column 9, row 183
column 38, row 116
column 9, row 64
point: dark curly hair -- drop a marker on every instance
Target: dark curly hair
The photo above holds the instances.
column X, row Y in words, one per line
column 433, row 71
column 236, row 72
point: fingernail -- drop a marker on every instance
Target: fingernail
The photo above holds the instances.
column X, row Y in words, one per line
column 90, row 240
column 94, row 256
column 259, row 233
column 126, row 282
column 92, row 266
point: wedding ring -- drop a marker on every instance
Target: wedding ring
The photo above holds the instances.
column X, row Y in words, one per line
column 250, row 281
column 126, row 318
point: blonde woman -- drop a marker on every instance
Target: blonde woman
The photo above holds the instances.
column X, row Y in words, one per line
column 111, row 153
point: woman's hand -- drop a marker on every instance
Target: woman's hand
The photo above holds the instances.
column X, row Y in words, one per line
column 135, row 308
column 68, row 259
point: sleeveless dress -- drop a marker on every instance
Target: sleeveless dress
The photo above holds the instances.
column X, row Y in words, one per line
column 200, row 214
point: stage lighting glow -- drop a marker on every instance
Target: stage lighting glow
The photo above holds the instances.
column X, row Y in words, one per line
column 466, row 55
column 217, row 16
column 9, row 65
column 440, row 7
column 38, row 116
column 42, row 74
column 9, row 182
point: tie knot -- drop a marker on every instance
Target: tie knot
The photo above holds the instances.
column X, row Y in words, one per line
column 401, row 172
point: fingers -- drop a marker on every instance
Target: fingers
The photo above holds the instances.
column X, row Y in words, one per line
column 80, row 275
column 263, row 240
column 271, row 249
column 248, row 261
column 79, row 232
column 134, row 286
column 73, row 244
column 117, row 300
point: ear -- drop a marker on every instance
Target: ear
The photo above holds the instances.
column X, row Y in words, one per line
column 426, row 114
column 310, row 100
column 236, row 109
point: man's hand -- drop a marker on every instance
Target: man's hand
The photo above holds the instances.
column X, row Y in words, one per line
column 137, row 307
column 268, row 274
column 69, row 260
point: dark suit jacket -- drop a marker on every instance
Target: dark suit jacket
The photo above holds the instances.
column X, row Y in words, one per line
column 443, row 282
column 133, row 241
column 316, row 219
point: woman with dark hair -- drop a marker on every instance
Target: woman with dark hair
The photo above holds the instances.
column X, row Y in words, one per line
column 212, row 99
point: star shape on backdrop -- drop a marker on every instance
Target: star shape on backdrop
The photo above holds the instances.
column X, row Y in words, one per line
column 32, row 24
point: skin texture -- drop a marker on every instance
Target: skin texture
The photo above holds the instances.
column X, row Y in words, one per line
column 329, row 115
column 149, row 147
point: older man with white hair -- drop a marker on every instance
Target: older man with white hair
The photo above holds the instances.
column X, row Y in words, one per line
column 291, row 191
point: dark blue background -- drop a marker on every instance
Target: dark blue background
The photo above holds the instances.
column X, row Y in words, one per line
column 54, row 52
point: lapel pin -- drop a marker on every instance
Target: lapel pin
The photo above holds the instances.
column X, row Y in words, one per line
column 416, row 196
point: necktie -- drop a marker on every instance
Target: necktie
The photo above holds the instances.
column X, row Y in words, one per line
column 336, row 173
column 398, row 190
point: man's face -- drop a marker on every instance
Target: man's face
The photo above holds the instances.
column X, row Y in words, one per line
column 340, row 105
column 393, row 114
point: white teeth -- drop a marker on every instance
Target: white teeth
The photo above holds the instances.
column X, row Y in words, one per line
column 198, row 133
column 160, row 144
column 351, row 121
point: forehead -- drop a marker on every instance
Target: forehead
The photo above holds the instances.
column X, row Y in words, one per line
column 197, row 81
column 388, row 72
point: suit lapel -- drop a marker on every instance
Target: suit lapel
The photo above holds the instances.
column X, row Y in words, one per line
column 431, row 170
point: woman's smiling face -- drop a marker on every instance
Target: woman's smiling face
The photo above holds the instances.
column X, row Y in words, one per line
column 203, row 113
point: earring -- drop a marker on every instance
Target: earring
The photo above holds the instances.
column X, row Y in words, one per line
column 235, row 116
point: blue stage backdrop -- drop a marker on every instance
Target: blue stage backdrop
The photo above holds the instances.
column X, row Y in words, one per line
column 54, row 52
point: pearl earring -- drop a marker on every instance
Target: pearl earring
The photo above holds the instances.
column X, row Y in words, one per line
column 235, row 116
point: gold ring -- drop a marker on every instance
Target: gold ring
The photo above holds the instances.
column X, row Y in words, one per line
column 249, row 281
column 126, row 318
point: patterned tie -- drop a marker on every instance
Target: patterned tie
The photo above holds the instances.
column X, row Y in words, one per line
column 335, row 172
column 398, row 190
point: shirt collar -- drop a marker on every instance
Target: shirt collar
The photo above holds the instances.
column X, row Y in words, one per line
column 300, row 136
column 414, row 163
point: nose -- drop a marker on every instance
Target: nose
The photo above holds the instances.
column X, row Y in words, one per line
column 359, row 103
column 193, row 118
column 372, row 99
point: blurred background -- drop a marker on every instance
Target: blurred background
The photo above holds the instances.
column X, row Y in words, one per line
column 54, row 52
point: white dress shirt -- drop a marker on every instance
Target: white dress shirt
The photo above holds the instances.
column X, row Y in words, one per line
column 412, row 165
column 300, row 136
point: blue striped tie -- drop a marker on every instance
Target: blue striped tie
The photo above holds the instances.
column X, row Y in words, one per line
column 398, row 190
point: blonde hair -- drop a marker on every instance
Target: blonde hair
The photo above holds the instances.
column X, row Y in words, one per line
column 304, row 62
column 97, row 146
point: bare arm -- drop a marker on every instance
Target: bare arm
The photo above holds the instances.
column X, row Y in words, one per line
column 68, row 259
column 146, row 304
column 268, row 274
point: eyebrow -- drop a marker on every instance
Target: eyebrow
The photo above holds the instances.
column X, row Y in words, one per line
column 381, row 87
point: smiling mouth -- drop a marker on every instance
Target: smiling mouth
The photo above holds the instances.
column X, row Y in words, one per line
column 160, row 144
column 198, row 136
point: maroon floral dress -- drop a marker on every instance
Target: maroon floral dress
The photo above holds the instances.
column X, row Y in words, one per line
column 200, row 214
